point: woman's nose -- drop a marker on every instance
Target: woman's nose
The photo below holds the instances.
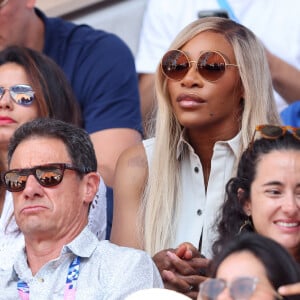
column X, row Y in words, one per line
column 5, row 101
column 192, row 77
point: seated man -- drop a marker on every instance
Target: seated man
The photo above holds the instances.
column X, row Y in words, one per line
column 52, row 175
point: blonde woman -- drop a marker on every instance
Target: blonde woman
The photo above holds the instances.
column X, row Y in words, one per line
column 213, row 86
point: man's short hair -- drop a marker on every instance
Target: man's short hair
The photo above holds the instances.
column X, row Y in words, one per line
column 76, row 140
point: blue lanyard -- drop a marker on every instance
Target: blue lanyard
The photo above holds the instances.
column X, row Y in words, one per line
column 71, row 282
column 225, row 5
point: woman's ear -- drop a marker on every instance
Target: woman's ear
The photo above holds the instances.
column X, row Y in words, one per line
column 247, row 208
column 240, row 193
column 247, row 204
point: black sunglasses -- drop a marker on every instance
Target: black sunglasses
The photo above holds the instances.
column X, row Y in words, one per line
column 47, row 175
column 211, row 65
column 21, row 94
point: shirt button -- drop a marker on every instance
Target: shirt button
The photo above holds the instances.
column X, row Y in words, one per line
column 199, row 212
column 196, row 169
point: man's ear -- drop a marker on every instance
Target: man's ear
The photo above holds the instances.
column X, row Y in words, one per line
column 92, row 184
column 247, row 205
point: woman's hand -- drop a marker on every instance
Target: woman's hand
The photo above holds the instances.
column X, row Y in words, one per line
column 182, row 269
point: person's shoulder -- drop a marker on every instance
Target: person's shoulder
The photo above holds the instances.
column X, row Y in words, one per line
column 138, row 266
column 132, row 168
column 8, row 281
column 111, row 252
column 81, row 32
column 134, row 155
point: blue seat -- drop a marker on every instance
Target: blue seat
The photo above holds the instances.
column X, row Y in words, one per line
column 291, row 114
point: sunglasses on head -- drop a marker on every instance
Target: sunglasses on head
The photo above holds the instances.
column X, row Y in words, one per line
column 273, row 132
column 240, row 288
column 21, row 94
column 46, row 175
column 211, row 65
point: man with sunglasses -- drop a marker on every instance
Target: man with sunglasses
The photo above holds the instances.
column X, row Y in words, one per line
column 100, row 68
column 53, row 177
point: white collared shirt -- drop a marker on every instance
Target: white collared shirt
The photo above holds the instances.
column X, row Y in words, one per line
column 198, row 210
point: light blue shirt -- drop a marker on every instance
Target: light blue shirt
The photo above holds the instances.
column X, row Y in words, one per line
column 106, row 271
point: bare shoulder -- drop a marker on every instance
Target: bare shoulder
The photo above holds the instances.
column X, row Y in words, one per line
column 133, row 158
column 130, row 180
column 132, row 167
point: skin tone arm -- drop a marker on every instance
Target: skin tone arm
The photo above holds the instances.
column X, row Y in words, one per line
column 109, row 144
column 131, row 173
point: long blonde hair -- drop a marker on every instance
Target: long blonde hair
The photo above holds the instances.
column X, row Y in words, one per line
column 160, row 200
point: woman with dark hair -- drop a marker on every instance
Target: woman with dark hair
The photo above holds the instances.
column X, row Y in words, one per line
column 250, row 267
column 53, row 94
column 33, row 86
column 264, row 197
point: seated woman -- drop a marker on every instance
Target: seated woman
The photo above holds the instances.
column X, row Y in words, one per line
column 32, row 86
column 265, row 195
column 213, row 86
column 250, row 267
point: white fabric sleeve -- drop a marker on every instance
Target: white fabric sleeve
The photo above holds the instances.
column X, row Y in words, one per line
column 97, row 215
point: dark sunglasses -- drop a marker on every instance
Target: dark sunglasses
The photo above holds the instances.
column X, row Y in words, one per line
column 240, row 288
column 21, row 94
column 211, row 65
column 46, row 175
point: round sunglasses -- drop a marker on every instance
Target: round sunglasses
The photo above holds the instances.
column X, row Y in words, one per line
column 21, row 94
column 240, row 288
column 47, row 175
column 211, row 65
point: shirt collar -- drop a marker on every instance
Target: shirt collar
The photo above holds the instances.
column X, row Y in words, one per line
column 183, row 145
column 83, row 245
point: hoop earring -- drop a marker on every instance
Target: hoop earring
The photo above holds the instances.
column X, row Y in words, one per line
column 246, row 223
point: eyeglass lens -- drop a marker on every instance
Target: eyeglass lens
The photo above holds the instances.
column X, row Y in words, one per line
column 273, row 131
column 241, row 288
column 175, row 65
column 21, row 94
column 15, row 180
